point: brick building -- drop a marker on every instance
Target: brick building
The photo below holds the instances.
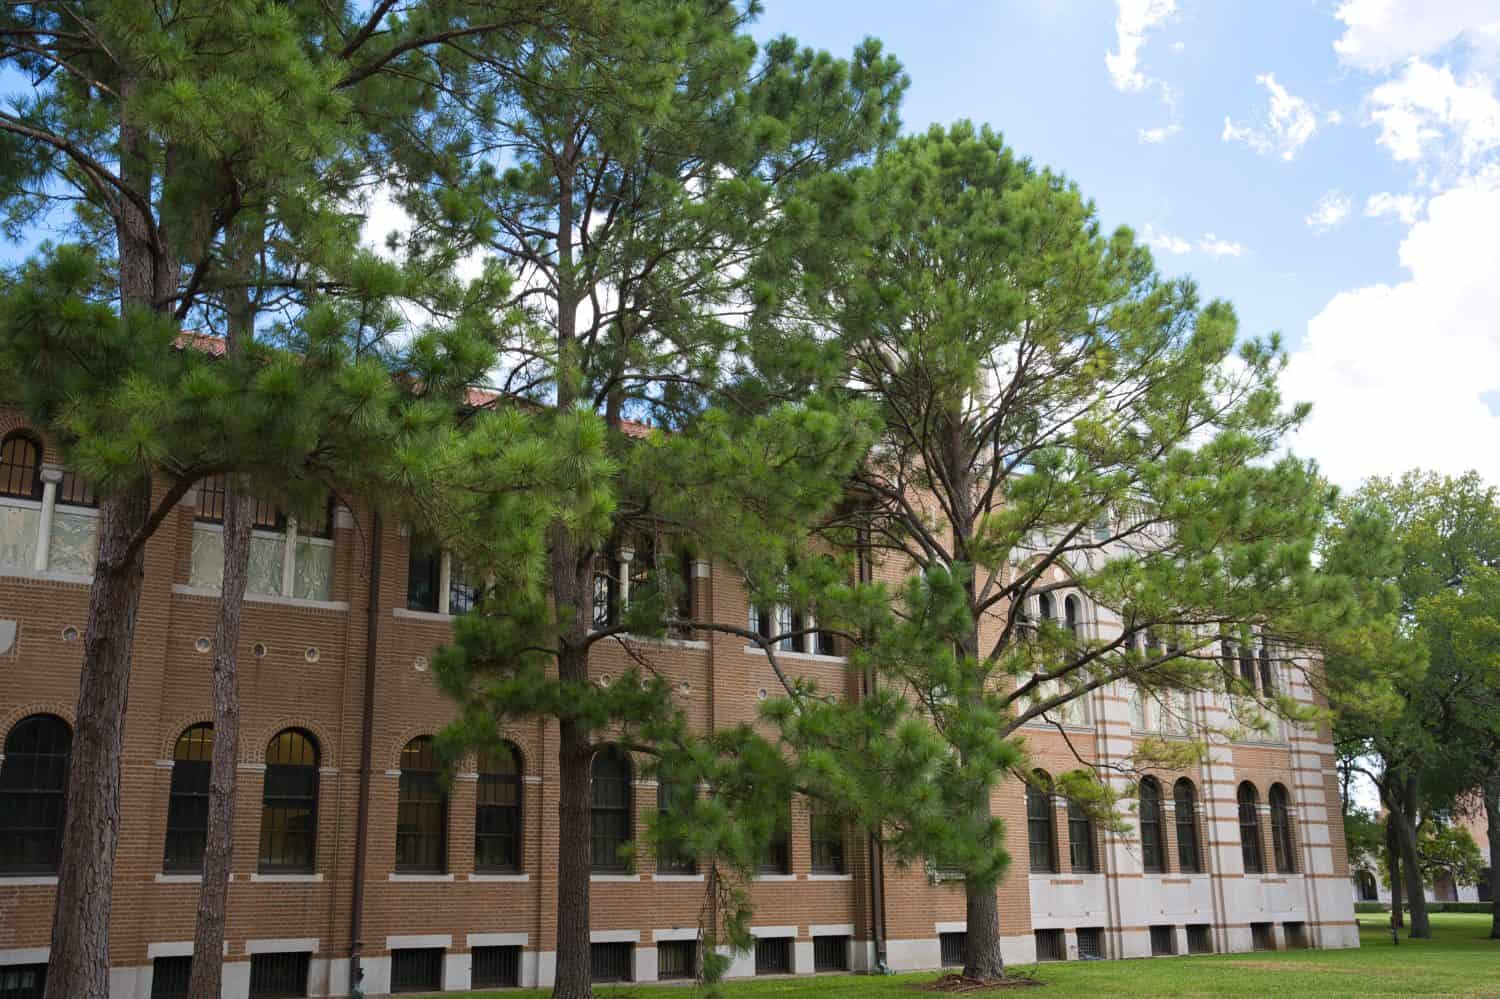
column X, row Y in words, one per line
column 457, row 886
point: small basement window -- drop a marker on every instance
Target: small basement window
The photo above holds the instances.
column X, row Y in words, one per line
column 1295, row 935
column 495, row 967
column 279, row 976
column 169, row 977
column 1051, row 945
column 676, row 959
column 773, row 956
column 610, row 962
column 1091, row 943
column 23, row 981
column 1163, row 941
column 1200, row 939
column 1263, row 936
column 417, row 969
column 951, row 946
column 831, row 953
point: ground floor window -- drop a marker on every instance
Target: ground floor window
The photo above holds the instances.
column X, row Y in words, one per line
column 278, row 976
column 676, row 959
column 23, row 981
column 773, row 956
column 1051, row 945
column 1263, row 936
column 610, row 962
column 1163, row 940
column 1200, row 939
column 831, row 953
column 951, row 947
column 169, row 977
column 417, row 969
column 1091, row 943
column 495, row 967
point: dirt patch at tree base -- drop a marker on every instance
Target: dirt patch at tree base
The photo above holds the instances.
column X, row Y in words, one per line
column 959, row 984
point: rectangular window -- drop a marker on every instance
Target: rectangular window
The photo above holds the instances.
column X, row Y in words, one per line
column 424, row 567
column 951, row 949
column 1263, row 936
column 169, row 977
column 417, row 969
column 278, row 976
column 773, row 956
column 778, row 855
column 827, row 844
column 1051, row 945
column 1081, row 840
column 831, row 953
column 672, row 856
column 610, row 962
column 496, row 967
column 1200, row 938
column 676, row 959
column 1091, row 943
column 1163, row 941
column 23, row 981
column 1295, row 935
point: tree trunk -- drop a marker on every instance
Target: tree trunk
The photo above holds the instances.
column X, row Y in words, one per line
column 1492, row 819
column 1411, row 864
column 208, row 935
column 982, row 957
column 574, row 965
column 79, row 958
column 1393, row 869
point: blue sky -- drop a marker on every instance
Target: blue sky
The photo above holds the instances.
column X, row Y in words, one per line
column 1264, row 113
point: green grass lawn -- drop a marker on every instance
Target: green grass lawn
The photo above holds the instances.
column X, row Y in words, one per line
column 1460, row 961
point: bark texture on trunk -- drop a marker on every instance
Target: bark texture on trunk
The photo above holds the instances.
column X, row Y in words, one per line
column 573, row 865
column 982, row 957
column 79, row 956
column 1411, row 864
column 1492, row 820
column 208, row 934
column 1393, row 868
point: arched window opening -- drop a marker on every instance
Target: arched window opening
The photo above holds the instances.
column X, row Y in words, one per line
column 1081, row 839
column 1250, row 850
column 1185, row 804
column 611, row 818
column 497, row 819
column 421, row 811
column 289, row 805
column 1153, row 857
column 1281, row 831
column 1071, row 615
column 20, row 466
column 1267, row 673
column 1044, row 607
column 33, row 784
column 1040, row 823
column 187, row 805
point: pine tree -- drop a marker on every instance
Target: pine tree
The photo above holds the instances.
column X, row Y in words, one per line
column 1058, row 419
column 664, row 194
column 161, row 122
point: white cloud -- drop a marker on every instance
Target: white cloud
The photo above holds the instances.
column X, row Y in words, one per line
column 1290, row 121
column 1405, row 207
column 1331, row 210
column 1216, row 247
column 1152, row 136
column 1427, row 110
column 1164, row 242
column 1134, row 18
column 1379, row 34
column 1398, row 374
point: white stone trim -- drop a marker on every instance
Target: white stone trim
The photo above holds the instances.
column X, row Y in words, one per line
column 677, row 878
column 185, row 590
column 500, row 878
column 958, row 927
column 175, row 948
column 772, row 932
column 416, row 615
column 288, row 879
column 614, row 878
column 177, row 879
column 774, row 877
column 26, row 955
column 831, row 930
column 497, row 939
column 410, row 941
column 29, row 881
column 830, row 877
column 615, row 936
column 282, row 946
column 678, row 933
column 420, row 878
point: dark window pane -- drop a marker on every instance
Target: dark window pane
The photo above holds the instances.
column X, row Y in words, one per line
column 778, row 855
column 1051, row 945
column 73, row 491
column 23, row 981
column 1080, row 839
column 611, row 818
column 610, row 962
column 676, row 959
column 497, row 818
column 421, row 811
column 773, row 956
column 831, row 953
column 673, row 857
column 1250, row 849
column 418, row 969
column 289, row 814
column 1185, row 800
column 423, row 570
column 1040, row 830
column 169, row 977
column 1152, row 858
column 33, row 784
column 278, row 976
column 20, row 467
column 496, row 967
column 1281, row 831
column 187, row 806
column 951, row 949
column 827, row 844
column 1163, row 941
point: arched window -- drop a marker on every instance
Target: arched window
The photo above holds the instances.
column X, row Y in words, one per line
column 1281, row 831
column 1071, row 615
column 1267, row 674
column 1368, row 890
column 1250, row 829
column 1185, row 802
column 20, row 466
column 289, row 806
column 497, row 817
column 671, row 856
column 1153, row 857
column 421, row 811
column 611, row 818
column 187, row 806
column 1081, row 839
column 1044, row 607
column 1040, row 822
column 33, row 781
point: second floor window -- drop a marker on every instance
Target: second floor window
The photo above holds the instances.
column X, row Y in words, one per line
column 611, row 818
column 421, row 811
column 20, row 467
column 827, row 835
column 777, row 858
column 1040, row 825
column 289, row 808
column 187, row 805
column 672, row 857
column 33, row 781
column 1250, row 849
column 1081, row 839
column 1185, row 804
column 1153, row 856
column 1281, row 831
column 436, row 581
column 497, row 819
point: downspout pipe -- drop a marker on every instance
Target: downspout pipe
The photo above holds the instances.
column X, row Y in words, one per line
column 366, row 755
column 877, row 873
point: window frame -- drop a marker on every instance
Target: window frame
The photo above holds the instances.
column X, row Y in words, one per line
column 513, row 813
column 1041, row 824
column 419, row 776
column 1283, row 844
column 44, row 730
column 1185, row 820
column 12, row 469
column 827, row 841
column 671, row 857
column 1252, row 851
column 276, row 809
column 192, row 760
column 618, row 813
column 1153, row 844
column 1081, row 837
